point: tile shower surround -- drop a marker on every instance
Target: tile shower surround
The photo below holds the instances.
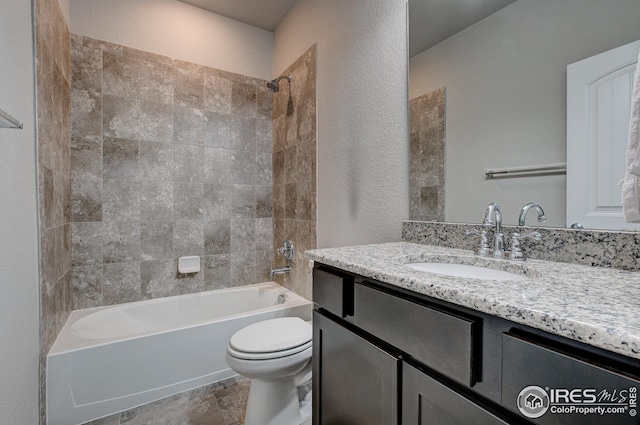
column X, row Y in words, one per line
column 53, row 110
column 294, row 170
column 168, row 158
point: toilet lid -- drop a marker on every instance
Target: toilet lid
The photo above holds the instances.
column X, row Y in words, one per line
column 273, row 335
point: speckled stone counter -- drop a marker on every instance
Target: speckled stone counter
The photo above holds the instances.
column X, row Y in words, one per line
column 597, row 306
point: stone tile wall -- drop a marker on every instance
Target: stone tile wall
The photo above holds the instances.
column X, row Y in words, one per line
column 168, row 159
column 426, row 166
column 294, row 170
column 54, row 175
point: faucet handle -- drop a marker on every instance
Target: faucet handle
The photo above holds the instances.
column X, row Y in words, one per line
column 286, row 250
column 532, row 235
column 483, row 249
column 516, row 250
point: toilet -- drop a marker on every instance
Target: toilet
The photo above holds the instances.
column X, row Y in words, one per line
column 276, row 355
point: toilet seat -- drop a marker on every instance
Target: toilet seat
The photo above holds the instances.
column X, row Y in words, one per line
column 270, row 339
column 270, row 355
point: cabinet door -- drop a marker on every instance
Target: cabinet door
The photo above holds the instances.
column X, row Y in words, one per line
column 426, row 401
column 354, row 382
column 552, row 384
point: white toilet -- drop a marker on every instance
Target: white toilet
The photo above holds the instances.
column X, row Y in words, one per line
column 276, row 355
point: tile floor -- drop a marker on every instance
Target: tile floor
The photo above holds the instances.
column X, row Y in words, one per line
column 222, row 403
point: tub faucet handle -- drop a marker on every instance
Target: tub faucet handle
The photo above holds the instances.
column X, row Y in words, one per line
column 286, row 250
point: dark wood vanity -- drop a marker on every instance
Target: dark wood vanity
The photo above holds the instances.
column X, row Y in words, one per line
column 385, row 355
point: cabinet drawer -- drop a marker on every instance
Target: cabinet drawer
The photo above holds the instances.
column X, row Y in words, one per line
column 438, row 339
column 426, row 401
column 553, row 386
column 333, row 291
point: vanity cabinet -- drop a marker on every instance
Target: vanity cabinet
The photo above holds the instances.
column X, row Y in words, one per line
column 385, row 355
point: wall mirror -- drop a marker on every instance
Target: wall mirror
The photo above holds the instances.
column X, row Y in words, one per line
column 502, row 70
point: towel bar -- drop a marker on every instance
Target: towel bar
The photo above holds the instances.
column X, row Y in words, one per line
column 531, row 170
column 7, row 121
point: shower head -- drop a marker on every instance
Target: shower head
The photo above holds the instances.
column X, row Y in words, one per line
column 274, row 86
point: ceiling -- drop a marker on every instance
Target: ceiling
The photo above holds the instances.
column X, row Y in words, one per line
column 265, row 14
column 430, row 21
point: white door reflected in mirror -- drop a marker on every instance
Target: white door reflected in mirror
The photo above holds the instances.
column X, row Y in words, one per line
column 599, row 92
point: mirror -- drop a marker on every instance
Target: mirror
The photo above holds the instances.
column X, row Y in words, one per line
column 504, row 81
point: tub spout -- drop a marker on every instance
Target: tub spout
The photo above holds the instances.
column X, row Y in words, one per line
column 281, row 270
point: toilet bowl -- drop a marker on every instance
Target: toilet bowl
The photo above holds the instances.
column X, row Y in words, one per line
column 276, row 355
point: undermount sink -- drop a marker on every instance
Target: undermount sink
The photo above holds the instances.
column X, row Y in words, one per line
column 466, row 271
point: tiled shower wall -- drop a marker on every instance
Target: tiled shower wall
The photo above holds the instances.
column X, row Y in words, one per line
column 168, row 159
column 294, row 170
column 426, row 169
column 54, row 183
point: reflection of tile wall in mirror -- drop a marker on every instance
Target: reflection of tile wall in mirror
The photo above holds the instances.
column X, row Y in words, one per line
column 426, row 172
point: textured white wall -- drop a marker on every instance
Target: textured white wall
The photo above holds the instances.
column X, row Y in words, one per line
column 363, row 146
column 175, row 29
column 505, row 80
column 19, row 288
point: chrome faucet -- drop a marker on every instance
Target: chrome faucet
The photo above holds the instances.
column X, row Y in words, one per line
column 281, row 270
column 523, row 213
column 287, row 251
column 493, row 218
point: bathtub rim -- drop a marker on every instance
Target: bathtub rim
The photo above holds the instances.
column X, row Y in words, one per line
column 66, row 341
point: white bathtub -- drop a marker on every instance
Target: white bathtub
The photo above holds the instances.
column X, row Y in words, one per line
column 109, row 359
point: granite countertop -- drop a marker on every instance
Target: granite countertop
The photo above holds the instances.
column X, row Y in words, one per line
column 595, row 305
